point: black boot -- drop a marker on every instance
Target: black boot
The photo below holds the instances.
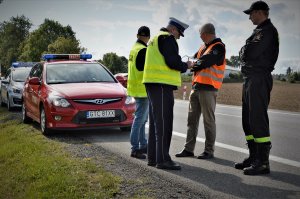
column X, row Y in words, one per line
column 247, row 162
column 261, row 164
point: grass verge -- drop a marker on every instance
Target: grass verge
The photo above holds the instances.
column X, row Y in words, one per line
column 32, row 166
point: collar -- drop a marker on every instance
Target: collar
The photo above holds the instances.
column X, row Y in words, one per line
column 213, row 41
column 265, row 22
column 141, row 42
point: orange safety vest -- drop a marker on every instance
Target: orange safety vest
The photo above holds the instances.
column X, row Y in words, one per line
column 212, row 75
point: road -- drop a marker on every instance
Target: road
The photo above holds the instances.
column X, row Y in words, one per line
column 217, row 178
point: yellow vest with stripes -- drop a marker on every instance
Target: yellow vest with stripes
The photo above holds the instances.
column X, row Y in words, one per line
column 156, row 69
column 135, row 87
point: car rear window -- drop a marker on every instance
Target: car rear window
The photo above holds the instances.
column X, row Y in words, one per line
column 77, row 73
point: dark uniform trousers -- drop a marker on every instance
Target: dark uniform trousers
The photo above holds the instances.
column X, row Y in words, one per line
column 161, row 103
column 256, row 98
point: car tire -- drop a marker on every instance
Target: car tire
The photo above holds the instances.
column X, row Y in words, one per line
column 25, row 118
column 9, row 108
column 43, row 122
column 125, row 129
column 1, row 101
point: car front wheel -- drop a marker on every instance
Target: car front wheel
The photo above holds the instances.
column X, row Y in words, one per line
column 9, row 108
column 43, row 122
column 25, row 118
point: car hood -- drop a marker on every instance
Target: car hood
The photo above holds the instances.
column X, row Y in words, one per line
column 88, row 90
column 19, row 85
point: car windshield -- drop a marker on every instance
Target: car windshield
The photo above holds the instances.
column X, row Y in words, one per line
column 20, row 75
column 77, row 73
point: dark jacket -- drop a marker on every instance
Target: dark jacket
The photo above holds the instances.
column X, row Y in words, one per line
column 261, row 50
column 215, row 57
column 140, row 58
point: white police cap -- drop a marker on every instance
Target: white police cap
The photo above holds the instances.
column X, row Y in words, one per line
column 179, row 25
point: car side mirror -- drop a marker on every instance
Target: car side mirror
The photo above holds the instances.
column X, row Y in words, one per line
column 34, row 81
column 121, row 79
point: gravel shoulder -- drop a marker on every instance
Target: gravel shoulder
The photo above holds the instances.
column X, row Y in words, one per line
column 138, row 181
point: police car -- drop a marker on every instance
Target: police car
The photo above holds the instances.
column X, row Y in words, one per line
column 70, row 92
column 13, row 83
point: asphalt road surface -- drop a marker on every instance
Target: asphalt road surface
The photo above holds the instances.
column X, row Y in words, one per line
column 217, row 177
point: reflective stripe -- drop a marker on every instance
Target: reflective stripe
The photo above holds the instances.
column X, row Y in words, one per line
column 249, row 137
column 221, row 72
column 211, row 76
column 262, row 140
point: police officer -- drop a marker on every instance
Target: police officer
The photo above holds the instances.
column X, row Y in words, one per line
column 258, row 56
column 136, row 89
column 163, row 66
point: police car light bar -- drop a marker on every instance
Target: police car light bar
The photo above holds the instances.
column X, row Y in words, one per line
column 22, row 64
column 67, row 56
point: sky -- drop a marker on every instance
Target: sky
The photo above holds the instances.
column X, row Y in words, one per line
column 104, row 26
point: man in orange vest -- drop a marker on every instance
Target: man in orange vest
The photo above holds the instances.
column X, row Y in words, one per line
column 207, row 80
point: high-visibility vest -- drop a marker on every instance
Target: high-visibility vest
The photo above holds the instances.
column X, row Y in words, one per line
column 156, row 70
column 213, row 75
column 135, row 87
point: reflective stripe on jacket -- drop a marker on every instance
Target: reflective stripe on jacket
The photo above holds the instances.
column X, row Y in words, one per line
column 156, row 69
column 135, row 87
column 212, row 75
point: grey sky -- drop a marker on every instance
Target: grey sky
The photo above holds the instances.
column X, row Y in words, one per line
column 104, row 26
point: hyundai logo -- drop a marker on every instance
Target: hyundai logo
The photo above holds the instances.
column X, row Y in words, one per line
column 99, row 101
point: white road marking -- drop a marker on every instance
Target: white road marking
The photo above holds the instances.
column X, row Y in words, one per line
column 241, row 150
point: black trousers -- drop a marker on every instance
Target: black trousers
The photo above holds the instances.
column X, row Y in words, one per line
column 161, row 103
column 256, row 98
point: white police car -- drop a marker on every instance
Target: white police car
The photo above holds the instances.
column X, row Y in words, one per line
column 13, row 83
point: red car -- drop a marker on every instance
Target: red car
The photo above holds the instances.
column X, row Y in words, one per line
column 70, row 92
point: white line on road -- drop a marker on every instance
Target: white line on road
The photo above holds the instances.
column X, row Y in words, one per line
column 241, row 150
column 238, row 149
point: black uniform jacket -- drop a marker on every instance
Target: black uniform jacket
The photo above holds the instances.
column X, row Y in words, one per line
column 260, row 53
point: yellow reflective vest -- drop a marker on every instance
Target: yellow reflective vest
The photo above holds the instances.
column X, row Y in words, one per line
column 156, row 69
column 135, row 87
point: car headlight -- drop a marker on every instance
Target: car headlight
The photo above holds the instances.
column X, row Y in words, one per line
column 59, row 101
column 16, row 90
column 129, row 100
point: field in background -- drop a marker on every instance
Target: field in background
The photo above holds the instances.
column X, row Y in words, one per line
column 284, row 96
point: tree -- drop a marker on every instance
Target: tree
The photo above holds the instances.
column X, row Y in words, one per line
column 40, row 39
column 228, row 62
column 12, row 34
column 235, row 61
column 289, row 71
column 64, row 46
column 114, row 63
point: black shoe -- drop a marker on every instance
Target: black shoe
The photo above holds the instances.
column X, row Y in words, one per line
column 184, row 153
column 257, row 169
column 151, row 164
column 169, row 165
column 144, row 150
column 246, row 163
column 205, row 155
column 138, row 155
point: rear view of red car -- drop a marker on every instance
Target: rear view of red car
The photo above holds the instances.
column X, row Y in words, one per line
column 70, row 92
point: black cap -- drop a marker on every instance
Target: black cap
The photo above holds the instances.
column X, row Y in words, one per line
column 258, row 5
column 144, row 31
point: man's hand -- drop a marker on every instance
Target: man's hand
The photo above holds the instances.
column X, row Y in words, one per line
column 190, row 64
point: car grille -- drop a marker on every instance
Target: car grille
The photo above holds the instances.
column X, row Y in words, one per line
column 98, row 101
column 80, row 118
column 17, row 101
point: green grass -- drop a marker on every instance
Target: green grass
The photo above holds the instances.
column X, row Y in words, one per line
column 33, row 166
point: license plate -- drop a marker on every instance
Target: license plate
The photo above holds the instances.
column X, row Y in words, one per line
column 100, row 114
